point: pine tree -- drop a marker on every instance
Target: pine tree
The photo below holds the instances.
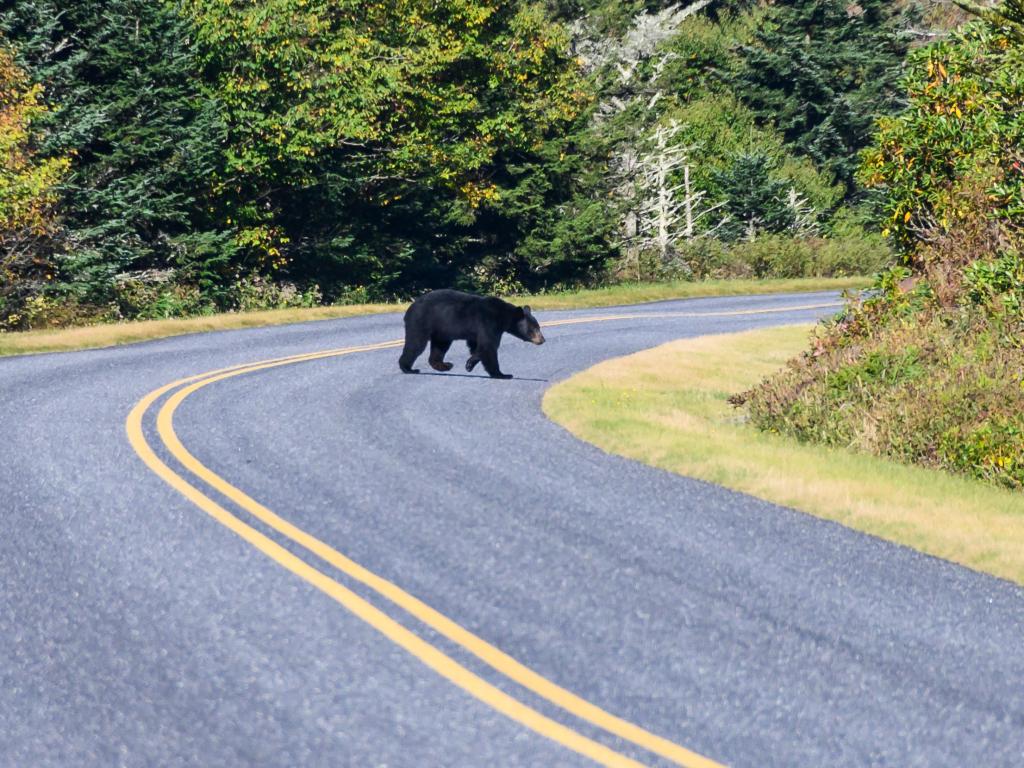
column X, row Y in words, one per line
column 822, row 71
column 126, row 103
column 756, row 201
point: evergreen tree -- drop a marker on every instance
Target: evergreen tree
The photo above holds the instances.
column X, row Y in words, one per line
column 822, row 71
column 755, row 200
column 552, row 225
column 126, row 104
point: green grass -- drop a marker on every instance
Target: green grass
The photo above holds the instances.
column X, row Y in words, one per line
column 67, row 339
column 667, row 407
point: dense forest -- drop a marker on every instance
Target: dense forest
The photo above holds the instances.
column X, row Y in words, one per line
column 188, row 156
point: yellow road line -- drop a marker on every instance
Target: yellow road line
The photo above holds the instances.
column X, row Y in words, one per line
column 444, row 665
column 495, row 658
column 391, row 629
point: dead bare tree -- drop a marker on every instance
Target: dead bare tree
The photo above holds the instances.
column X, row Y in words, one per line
column 669, row 211
column 655, row 212
column 804, row 217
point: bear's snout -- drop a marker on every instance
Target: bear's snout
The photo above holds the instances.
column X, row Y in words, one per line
column 537, row 338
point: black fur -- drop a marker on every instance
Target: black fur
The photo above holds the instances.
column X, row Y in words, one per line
column 441, row 317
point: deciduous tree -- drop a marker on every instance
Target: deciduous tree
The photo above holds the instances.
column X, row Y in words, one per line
column 27, row 195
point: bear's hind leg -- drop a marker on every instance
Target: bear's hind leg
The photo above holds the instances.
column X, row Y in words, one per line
column 438, row 349
column 415, row 343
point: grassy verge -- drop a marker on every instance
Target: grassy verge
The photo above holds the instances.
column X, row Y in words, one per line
column 667, row 407
column 64, row 340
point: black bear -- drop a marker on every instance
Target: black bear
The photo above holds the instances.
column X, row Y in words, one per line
column 441, row 317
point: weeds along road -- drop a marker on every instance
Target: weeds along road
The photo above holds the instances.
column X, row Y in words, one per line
column 321, row 561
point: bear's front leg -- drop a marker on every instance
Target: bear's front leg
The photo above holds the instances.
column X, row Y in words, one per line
column 489, row 357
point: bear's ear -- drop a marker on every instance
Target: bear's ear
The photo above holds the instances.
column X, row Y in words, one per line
column 526, row 310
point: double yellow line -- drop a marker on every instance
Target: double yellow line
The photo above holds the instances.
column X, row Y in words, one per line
column 444, row 665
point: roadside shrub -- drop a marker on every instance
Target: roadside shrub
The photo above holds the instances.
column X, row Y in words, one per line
column 495, row 275
column 930, row 368
column 43, row 311
column 782, row 256
column 898, row 375
column 997, row 284
column 993, row 449
column 770, row 256
column 255, row 293
column 154, row 295
column 856, row 254
column 355, row 295
column 715, row 260
column 776, row 256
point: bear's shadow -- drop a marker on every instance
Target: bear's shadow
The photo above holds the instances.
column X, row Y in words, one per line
column 477, row 376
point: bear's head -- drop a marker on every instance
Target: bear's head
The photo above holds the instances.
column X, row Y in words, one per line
column 527, row 328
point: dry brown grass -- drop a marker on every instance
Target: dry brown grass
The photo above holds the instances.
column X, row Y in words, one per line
column 667, row 407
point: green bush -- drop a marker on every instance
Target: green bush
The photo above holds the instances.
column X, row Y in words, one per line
column 898, row 375
column 962, row 126
column 930, row 368
column 785, row 256
column 997, row 284
column 255, row 293
column 993, row 449
column 154, row 295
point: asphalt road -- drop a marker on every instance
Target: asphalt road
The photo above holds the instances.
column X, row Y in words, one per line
column 138, row 629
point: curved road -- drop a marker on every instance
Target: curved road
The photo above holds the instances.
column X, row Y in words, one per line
column 325, row 562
